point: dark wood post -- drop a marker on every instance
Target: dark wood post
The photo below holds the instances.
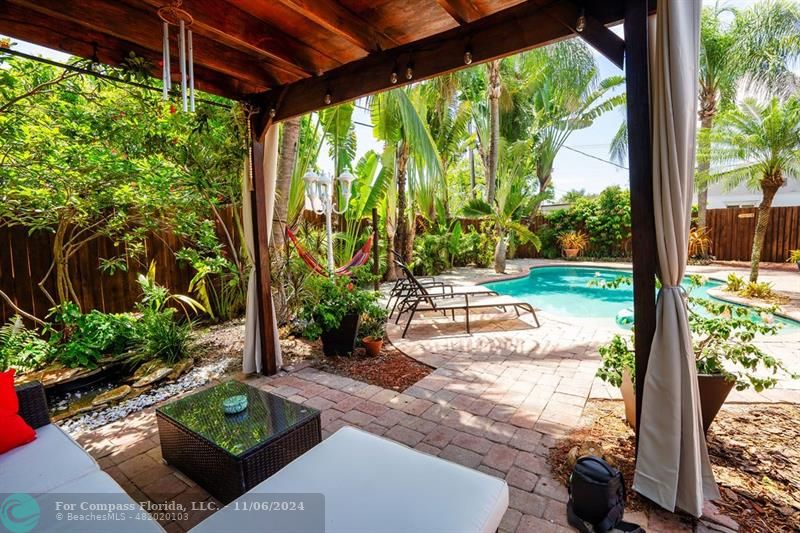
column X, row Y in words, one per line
column 640, row 157
column 376, row 260
column 258, row 199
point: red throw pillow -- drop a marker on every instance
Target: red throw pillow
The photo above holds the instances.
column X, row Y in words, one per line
column 15, row 432
column 9, row 403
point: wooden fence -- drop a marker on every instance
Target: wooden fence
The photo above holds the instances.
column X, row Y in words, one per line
column 732, row 229
column 25, row 258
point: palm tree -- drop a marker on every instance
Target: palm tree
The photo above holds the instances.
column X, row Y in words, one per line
column 758, row 48
column 398, row 120
column 566, row 94
column 286, row 164
column 759, row 145
column 494, row 88
column 515, row 200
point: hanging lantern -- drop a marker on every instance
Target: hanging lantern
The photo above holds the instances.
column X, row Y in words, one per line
column 172, row 15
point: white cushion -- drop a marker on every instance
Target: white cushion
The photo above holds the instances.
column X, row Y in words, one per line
column 88, row 487
column 42, row 465
column 372, row 484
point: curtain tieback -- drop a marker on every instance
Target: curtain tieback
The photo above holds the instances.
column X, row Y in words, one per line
column 679, row 288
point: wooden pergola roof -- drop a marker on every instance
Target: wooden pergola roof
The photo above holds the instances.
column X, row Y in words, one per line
column 294, row 52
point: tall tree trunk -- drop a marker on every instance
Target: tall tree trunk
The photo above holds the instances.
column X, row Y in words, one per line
column 544, row 181
column 769, row 190
column 704, row 161
column 408, row 253
column 401, row 236
column 61, row 265
column 288, row 156
column 391, row 268
column 500, row 253
column 472, row 181
column 494, row 140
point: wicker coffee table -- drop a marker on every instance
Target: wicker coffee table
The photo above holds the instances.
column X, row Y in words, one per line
column 229, row 454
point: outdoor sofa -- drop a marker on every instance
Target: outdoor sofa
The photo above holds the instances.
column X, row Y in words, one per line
column 369, row 484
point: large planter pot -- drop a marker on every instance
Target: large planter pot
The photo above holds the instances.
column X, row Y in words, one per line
column 372, row 345
column 341, row 341
column 571, row 252
column 714, row 390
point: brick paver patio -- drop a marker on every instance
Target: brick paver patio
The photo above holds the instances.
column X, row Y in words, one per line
column 496, row 401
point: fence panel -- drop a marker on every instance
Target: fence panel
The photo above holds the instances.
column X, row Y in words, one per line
column 732, row 230
column 25, row 259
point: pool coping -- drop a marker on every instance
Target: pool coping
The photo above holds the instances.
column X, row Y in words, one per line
column 589, row 265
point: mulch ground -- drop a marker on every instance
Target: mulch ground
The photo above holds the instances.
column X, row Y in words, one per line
column 754, row 453
column 390, row 370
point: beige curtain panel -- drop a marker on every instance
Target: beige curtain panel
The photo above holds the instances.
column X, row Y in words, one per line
column 251, row 359
column 672, row 466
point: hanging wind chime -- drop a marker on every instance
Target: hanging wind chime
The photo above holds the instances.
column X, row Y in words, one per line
column 172, row 15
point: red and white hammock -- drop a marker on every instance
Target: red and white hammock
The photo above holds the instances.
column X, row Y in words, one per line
column 359, row 259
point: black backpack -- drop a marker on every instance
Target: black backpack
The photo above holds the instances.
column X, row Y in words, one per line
column 597, row 497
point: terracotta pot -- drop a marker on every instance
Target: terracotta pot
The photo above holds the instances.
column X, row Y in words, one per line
column 571, row 252
column 341, row 341
column 714, row 390
column 372, row 345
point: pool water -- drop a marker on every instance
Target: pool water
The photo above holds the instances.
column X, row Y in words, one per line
column 566, row 291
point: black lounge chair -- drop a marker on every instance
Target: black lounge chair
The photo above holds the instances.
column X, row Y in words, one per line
column 415, row 286
column 424, row 300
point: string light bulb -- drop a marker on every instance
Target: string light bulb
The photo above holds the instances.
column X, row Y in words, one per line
column 409, row 71
column 580, row 24
column 328, row 98
column 272, row 113
column 468, row 57
column 393, row 77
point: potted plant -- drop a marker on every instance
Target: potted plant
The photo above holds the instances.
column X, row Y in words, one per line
column 373, row 329
column 725, row 355
column 794, row 257
column 331, row 310
column 573, row 242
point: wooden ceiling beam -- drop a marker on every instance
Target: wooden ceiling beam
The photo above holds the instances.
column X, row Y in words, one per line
column 506, row 32
column 237, row 28
column 143, row 29
column 337, row 19
column 605, row 41
column 76, row 40
column 462, row 11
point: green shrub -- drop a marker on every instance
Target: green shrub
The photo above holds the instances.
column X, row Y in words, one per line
column 734, row 283
column 606, row 219
column 757, row 289
column 475, row 248
column 327, row 300
column 723, row 344
column 160, row 335
column 22, row 348
column 82, row 339
column 373, row 322
column 430, row 254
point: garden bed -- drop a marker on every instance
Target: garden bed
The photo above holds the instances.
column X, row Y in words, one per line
column 753, row 451
column 390, row 370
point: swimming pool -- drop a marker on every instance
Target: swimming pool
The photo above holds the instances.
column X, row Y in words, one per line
column 565, row 290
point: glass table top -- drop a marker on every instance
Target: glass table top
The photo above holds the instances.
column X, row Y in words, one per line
column 266, row 418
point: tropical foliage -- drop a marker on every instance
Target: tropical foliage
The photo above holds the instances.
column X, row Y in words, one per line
column 85, row 158
column 758, row 144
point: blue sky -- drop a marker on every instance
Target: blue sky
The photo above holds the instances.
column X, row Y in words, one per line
column 571, row 170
